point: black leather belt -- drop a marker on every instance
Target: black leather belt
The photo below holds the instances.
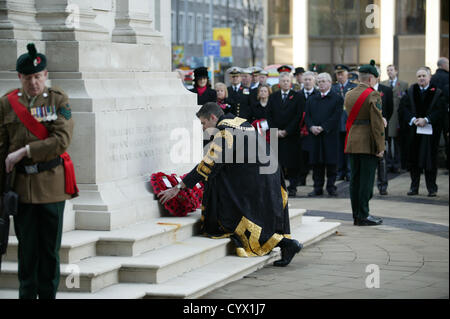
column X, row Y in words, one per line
column 39, row 167
column 361, row 122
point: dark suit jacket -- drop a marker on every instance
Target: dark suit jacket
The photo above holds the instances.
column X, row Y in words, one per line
column 240, row 102
column 286, row 116
column 209, row 95
column 325, row 112
column 337, row 89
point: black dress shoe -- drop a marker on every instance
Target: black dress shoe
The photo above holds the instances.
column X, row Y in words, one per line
column 332, row 193
column 369, row 221
column 315, row 194
column 432, row 194
column 289, row 248
column 383, row 192
column 347, row 178
column 340, row 177
column 412, row 192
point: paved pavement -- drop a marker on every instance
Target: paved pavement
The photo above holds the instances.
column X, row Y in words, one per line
column 409, row 252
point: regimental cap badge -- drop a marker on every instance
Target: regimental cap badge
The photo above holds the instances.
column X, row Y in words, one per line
column 31, row 62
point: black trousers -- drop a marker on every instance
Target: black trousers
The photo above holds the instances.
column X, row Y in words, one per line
column 382, row 179
column 430, row 178
column 305, row 167
column 361, row 183
column 38, row 229
column 319, row 177
column 343, row 167
column 393, row 153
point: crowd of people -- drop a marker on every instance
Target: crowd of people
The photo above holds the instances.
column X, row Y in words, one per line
column 308, row 110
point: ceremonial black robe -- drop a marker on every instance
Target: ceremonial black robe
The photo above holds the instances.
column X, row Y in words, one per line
column 240, row 200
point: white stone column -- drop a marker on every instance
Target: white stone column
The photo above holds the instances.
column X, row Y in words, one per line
column 134, row 22
column 131, row 112
column 299, row 16
column 387, row 32
column 432, row 33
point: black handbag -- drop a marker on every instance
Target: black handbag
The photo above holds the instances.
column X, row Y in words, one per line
column 10, row 198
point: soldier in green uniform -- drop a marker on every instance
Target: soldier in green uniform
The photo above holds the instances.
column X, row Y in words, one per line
column 35, row 130
column 364, row 142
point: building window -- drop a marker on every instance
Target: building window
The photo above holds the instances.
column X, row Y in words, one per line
column 444, row 28
column 191, row 29
column 181, row 30
column 174, row 27
column 411, row 16
column 199, row 25
column 279, row 19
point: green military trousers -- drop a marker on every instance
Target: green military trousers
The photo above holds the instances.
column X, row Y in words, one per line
column 38, row 229
column 362, row 178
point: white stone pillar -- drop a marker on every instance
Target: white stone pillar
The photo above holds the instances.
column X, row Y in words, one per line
column 299, row 16
column 131, row 112
column 432, row 33
column 387, row 32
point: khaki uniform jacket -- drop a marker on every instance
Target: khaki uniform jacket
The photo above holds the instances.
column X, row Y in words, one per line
column 47, row 186
column 398, row 91
column 366, row 137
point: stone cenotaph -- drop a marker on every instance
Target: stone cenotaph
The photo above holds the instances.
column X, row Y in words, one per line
column 133, row 116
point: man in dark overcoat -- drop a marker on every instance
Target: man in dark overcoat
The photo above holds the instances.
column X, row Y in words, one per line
column 323, row 112
column 422, row 110
column 283, row 113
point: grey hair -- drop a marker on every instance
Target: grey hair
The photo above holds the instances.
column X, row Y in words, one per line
column 325, row 76
column 283, row 75
column 424, row 68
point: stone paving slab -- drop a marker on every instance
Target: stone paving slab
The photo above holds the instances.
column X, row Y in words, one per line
column 410, row 249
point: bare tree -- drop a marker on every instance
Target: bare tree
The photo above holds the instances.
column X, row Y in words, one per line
column 252, row 21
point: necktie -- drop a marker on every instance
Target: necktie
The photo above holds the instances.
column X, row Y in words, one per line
column 236, row 89
column 284, row 97
column 392, row 84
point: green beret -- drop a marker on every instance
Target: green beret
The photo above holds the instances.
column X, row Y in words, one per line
column 31, row 62
column 369, row 68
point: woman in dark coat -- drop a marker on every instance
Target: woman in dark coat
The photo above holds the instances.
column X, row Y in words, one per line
column 423, row 105
column 283, row 113
column 259, row 109
column 322, row 117
column 202, row 87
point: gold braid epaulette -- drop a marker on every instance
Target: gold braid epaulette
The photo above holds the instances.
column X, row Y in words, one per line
column 235, row 123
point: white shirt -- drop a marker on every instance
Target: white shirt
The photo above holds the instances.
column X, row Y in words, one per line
column 325, row 94
column 308, row 93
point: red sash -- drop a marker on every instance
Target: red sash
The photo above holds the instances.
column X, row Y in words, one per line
column 355, row 111
column 40, row 131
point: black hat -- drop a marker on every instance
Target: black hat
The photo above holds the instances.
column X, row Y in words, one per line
column 31, row 62
column 369, row 68
column 299, row 70
column 340, row 68
column 201, row 72
column 284, row 68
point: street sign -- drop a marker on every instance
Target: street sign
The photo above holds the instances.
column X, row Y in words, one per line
column 211, row 48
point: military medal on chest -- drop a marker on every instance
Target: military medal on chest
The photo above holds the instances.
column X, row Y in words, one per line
column 44, row 113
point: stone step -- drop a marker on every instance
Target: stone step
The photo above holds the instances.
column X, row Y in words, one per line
column 132, row 240
column 128, row 241
column 198, row 279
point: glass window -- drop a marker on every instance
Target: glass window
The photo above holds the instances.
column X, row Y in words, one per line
column 199, row 29
column 444, row 28
column 411, row 16
column 342, row 17
column 279, row 19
